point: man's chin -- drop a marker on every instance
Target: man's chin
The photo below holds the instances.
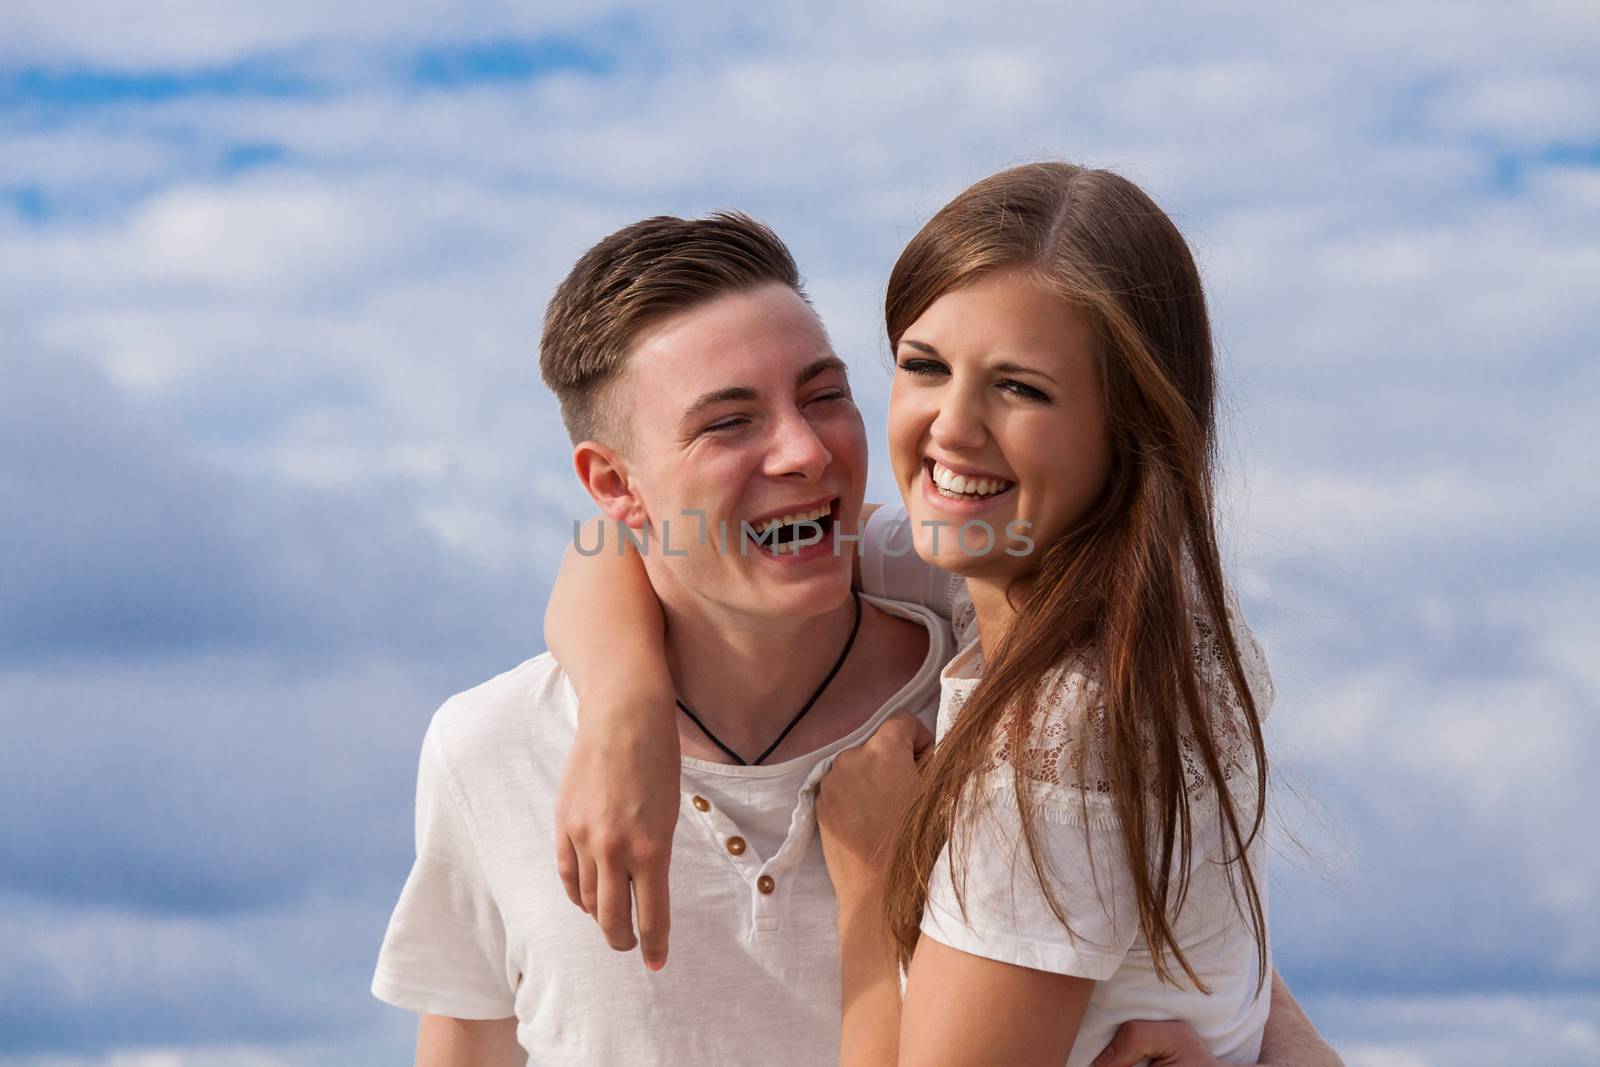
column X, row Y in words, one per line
column 800, row 597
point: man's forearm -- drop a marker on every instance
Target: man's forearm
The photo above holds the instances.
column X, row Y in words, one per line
column 1290, row 1038
column 446, row 1042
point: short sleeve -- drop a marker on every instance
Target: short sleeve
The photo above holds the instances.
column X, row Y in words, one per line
column 445, row 950
column 1007, row 916
column 891, row 568
column 1065, row 766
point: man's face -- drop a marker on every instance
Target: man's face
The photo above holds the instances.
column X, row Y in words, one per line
column 740, row 409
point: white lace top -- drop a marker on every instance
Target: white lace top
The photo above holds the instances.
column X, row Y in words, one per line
column 1007, row 917
column 1057, row 756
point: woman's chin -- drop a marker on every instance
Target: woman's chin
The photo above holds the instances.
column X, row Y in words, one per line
column 968, row 562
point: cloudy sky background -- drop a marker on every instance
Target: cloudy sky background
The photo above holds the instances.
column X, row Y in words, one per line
column 277, row 475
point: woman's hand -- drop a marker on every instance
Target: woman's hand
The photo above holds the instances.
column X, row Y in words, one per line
column 857, row 803
column 615, row 815
column 859, row 799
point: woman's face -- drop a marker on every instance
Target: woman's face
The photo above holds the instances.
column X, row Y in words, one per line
column 996, row 425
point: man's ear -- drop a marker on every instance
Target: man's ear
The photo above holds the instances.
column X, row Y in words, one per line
column 604, row 474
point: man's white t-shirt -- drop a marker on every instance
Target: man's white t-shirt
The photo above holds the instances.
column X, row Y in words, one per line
column 1008, row 919
column 484, row 930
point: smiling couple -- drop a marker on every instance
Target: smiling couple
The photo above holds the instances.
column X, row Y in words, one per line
column 1074, row 873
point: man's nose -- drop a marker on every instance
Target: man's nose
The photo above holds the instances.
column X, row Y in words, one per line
column 797, row 450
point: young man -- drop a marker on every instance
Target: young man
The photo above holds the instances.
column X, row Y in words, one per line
column 711, row 419
column 705, row 403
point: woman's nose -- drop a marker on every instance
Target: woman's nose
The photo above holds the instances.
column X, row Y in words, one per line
column 958, row 424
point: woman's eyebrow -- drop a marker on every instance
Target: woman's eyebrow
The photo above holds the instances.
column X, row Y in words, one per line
column 1004, row 368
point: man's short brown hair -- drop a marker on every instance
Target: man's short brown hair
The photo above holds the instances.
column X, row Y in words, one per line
column 634, row 279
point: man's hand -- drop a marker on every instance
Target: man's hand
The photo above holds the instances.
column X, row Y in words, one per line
column 1164, row 1044
column 615, row 815
column 1289, row 1040
column 859, row 798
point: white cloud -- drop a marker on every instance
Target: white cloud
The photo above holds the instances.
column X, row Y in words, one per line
column 1531, row 110
column 1464, row 1031
column 370, row 1051
column 1436, row 800
column 199, row 989
column 153, row 34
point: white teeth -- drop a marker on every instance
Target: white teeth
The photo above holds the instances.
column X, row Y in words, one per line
column 810, row 537
column 799, row 516
column 953, row 484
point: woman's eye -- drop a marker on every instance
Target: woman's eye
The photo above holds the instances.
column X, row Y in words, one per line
column 1018, row 389
column 921, row 367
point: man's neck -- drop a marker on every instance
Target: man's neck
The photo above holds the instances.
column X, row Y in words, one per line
column 746, row 676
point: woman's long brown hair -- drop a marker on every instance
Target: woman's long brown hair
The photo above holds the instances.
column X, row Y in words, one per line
column 1123, row 591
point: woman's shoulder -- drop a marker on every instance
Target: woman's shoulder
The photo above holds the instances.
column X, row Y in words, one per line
column 1064, row 750
column 1212, row 662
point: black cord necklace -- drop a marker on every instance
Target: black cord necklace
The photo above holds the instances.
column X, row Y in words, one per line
column 798, row 715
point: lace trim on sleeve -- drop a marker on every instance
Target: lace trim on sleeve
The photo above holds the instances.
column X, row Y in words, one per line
column 963, row 616
column 1069, row 776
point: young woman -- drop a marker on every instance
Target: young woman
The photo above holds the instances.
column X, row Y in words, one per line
column 1084, row 845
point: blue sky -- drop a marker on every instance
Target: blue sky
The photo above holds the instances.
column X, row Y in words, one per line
column 278, row 475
